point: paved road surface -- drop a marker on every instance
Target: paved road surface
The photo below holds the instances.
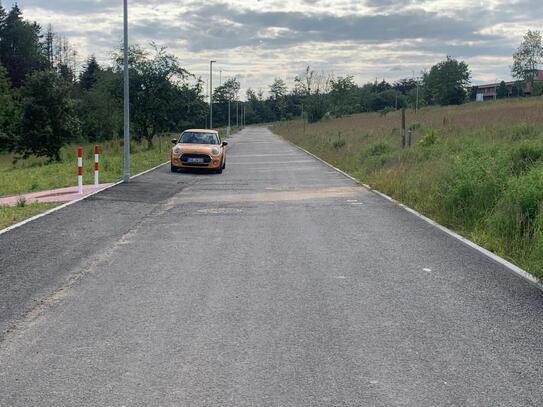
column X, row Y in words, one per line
column 278, row 283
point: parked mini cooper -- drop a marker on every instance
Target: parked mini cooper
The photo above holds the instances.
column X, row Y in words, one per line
column 199, row 148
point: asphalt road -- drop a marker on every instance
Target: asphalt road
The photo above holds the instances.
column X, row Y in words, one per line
column 278, row 283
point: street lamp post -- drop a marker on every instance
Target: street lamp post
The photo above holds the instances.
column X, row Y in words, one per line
column 211, row 94
column 126, row 169
column 228, row 129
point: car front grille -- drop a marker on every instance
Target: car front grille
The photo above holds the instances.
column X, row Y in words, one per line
column 185, row 158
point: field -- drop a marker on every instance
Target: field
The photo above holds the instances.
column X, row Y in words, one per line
column 476, row 168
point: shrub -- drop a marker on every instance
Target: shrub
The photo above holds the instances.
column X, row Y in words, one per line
column 378, row 149
column 429, row 138
column 474, row 183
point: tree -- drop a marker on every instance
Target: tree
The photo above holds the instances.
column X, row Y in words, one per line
column 405, row 85
column 159, row 90
column 100, row 109
column 502, row 91
column 227, row 92
column 447, row 82
column 344, row 96
column 89, row 76
column 48, row 121
column 9, row 112
column 527, row 57
column 278, row 94
column 312, row 88
column 20, row 49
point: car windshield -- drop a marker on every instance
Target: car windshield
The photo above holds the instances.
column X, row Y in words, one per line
column 193, row 137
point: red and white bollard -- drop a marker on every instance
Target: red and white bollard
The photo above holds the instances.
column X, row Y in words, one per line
column 80, row 170
column 96, row 165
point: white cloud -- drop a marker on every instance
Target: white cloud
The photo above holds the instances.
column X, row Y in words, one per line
column 258, row 40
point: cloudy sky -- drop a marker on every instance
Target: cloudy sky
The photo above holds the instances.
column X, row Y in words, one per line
column 259, row 40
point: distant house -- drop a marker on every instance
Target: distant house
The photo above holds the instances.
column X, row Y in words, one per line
column 490, row 91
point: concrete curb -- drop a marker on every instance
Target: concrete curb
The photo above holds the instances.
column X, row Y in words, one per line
column 40, row 215
column 494, row 257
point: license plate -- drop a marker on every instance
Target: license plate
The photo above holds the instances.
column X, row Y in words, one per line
column 195, row 160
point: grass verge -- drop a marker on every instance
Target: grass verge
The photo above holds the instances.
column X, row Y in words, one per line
column 476, row 168
column 10, row 215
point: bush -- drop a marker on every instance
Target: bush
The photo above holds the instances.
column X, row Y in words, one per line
column 429, row 138
column 379, row 149
column 473, row 185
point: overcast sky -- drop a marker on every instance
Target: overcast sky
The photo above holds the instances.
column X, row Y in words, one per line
column 259, row 40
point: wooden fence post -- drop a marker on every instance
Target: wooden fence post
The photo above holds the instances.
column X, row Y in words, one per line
column 403, row 127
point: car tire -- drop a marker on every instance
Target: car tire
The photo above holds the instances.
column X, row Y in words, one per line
column 219, row 171
column 173, row 168
column 224, row 165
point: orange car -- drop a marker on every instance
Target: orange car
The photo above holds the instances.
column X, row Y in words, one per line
column 199, row 148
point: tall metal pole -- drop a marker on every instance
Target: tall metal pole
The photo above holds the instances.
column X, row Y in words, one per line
column 211, row 94
column 228, row 129
column 126, row 171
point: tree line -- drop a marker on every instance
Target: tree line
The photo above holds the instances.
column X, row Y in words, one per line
column 45, row 104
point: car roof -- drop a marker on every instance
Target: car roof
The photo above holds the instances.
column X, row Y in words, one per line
column 202, row 131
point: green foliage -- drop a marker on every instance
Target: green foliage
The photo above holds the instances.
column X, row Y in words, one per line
column 89, row 76
column 537, row 88
column 429, row 138
column 49, row 121
column 447, row 82
column 161, row 96
column 378, row 149
column 9, row 112
column 522, row 131
column 20, row 49
column 502, row 91
column 528, row 56
column 343, row 96
column 99, row 109
column 514, row 216
column 525, row 156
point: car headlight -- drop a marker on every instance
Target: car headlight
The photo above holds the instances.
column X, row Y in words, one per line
column 215, row 151
column 177, row 150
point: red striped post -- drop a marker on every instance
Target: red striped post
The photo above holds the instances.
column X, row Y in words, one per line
column 80, row 170
column 96, row 165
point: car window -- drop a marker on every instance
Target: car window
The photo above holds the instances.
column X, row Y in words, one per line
column 190, row 137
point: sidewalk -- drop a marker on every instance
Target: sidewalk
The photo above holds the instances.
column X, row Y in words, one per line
column 54, row 195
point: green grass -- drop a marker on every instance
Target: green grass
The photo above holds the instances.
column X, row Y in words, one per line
column 36, row 174
column 476, row 168
column 10, row 215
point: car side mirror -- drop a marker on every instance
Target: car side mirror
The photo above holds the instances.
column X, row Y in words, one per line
column 224, row 143
column 174, row 141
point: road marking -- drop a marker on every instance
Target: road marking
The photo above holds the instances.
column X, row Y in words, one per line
column 427, row 270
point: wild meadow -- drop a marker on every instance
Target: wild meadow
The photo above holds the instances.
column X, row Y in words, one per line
column 476, row 168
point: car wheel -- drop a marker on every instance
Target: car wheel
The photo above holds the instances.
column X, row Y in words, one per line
column 219, row 171
column 173, row 168
column 224, row 165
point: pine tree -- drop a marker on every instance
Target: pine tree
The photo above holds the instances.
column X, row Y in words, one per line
column 20, row 48
column 88, row 77
column 9, row 112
